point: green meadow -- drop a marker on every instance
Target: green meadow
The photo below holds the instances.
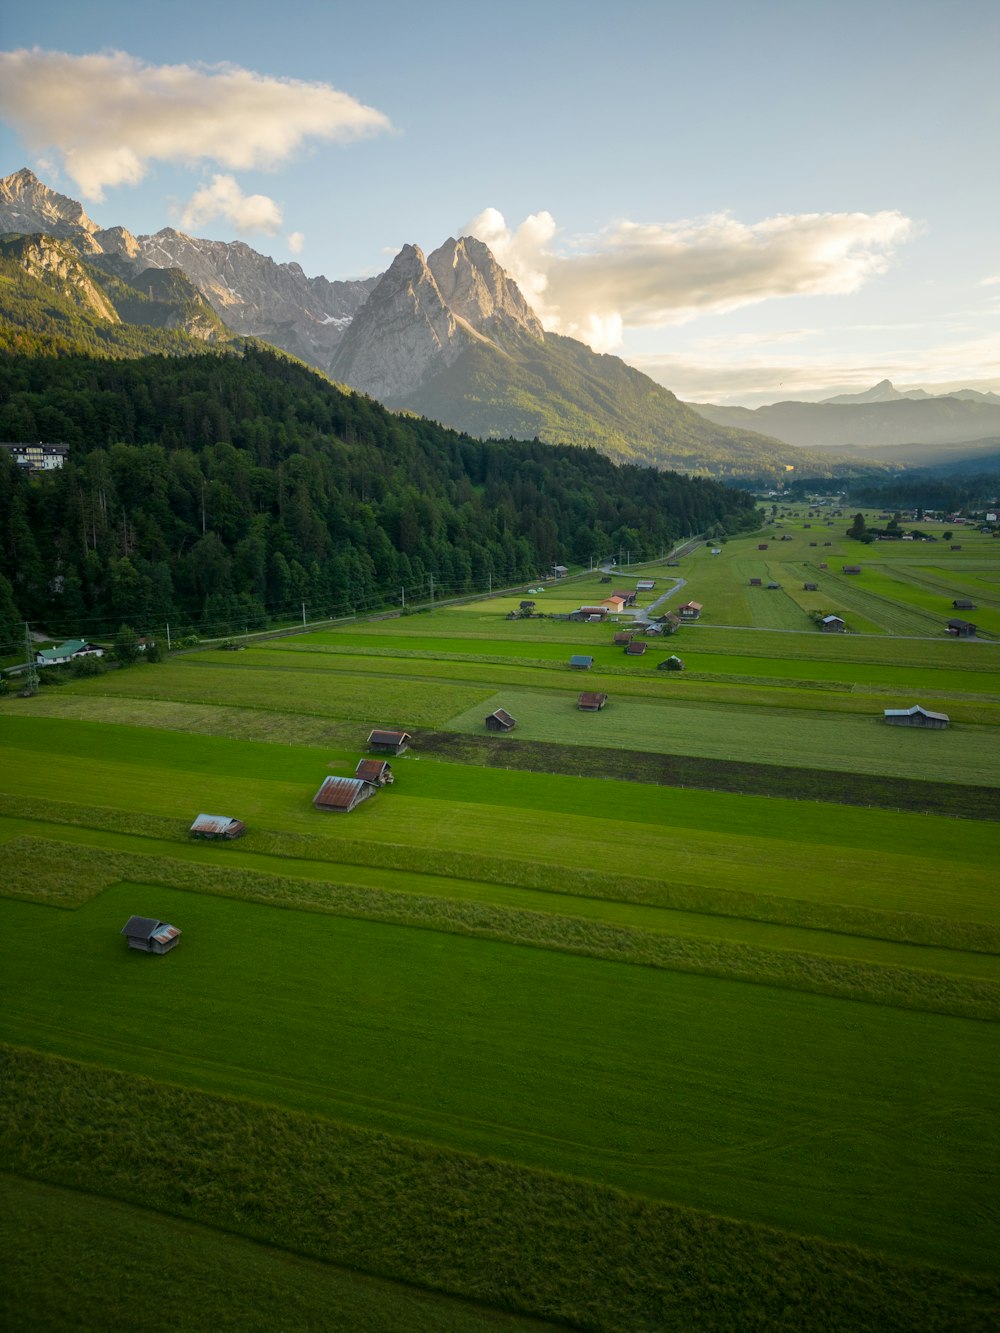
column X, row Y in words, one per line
column 518, row 1043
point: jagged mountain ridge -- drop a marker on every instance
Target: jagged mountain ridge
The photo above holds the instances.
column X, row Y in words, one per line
column 450, row 336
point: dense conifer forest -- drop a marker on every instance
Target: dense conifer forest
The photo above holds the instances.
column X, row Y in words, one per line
column 223, row 491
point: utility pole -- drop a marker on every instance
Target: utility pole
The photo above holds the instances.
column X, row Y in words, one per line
column 303, row 613
column 490, row 577
column 431, row 577
column 402, row 598
column 168, row 636
column 32, row 686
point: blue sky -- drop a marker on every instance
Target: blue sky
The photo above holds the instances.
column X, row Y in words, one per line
column 748, row 201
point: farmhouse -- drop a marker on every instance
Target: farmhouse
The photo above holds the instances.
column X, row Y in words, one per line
column 37, row 457
column 65, row 652
column 635, row 648
column 589, row 613
column 964, row 604
column 962, row 629
column 149, row 935
column 627, row 596
column 376, row 771
column 217, row 826
column 581, row 662
column 915, row 717
column 591, row 703
column 690, row 610
column 500, row 720
column 343, row 793
column 389, row 742
column 832, row 625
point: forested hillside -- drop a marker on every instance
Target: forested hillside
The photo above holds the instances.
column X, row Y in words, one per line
column 219, row 491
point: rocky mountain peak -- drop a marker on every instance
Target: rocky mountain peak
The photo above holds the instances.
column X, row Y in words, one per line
column 26, row 205
column 117, row 241
column 477, row 289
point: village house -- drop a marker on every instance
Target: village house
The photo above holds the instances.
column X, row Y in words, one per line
column 149, row 935
column 65, row 652
column 217, row 826
column 344, row 794
column 389, row 742
column 376, row 771
column 627, row 596
column 614, row 604
column 500, row 720
column 38, row 457
column 690, row 610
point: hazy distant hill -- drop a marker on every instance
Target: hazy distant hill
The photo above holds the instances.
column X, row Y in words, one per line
column 854, row 426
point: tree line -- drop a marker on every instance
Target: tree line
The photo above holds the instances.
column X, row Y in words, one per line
column 226, row 490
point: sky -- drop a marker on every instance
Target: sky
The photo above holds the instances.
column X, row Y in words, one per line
column 748, row 201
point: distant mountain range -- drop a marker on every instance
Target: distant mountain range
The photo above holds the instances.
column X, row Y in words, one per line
column 448, row 336
column 886, row 392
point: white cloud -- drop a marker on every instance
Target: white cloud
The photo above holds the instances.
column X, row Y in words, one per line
column 108, row 116
column 295, row 241
column 633, row 275
column 224, row 199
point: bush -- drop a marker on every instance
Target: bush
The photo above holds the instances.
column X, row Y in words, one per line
column 88, row 665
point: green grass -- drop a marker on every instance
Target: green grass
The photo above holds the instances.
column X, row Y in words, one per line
column 849, row 742
column 105, row 1252
column 501, row 1234
column 709, row 1093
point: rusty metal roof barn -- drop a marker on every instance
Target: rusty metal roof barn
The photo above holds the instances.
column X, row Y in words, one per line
column 378, row 771
column 343, row 793
column 590, row 702
column 217, row 826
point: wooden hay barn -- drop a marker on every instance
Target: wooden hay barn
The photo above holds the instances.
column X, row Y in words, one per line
column 217, row 826
column 343, row 793
column 690, row 610
column 961, row 629
column 832, row 625
column 915, row 717
column 635, row 648
column 623, row 636
column 964, row 604
column 756, row 583
column 851, row 569
column 389, row 742
column 645, row 585
column 581, row 662
column 591, row 703
column 762, row 546
column 810, row 587
column 500, row 720
column 376, row 771
column 772, row 585
column 149, row 935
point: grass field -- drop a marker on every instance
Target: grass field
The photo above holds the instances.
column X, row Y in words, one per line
column 537, row 1033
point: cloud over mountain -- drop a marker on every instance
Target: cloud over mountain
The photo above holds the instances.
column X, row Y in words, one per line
column 632, row 275
column 224, row 199
column 109, row 116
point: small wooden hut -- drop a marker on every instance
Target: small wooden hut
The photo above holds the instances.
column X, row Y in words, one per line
column 915, row 717
column 591, row 703
column 389, row 742
column 217, row 826
column 500, row 720
column 376, row 771
column 149, row 935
